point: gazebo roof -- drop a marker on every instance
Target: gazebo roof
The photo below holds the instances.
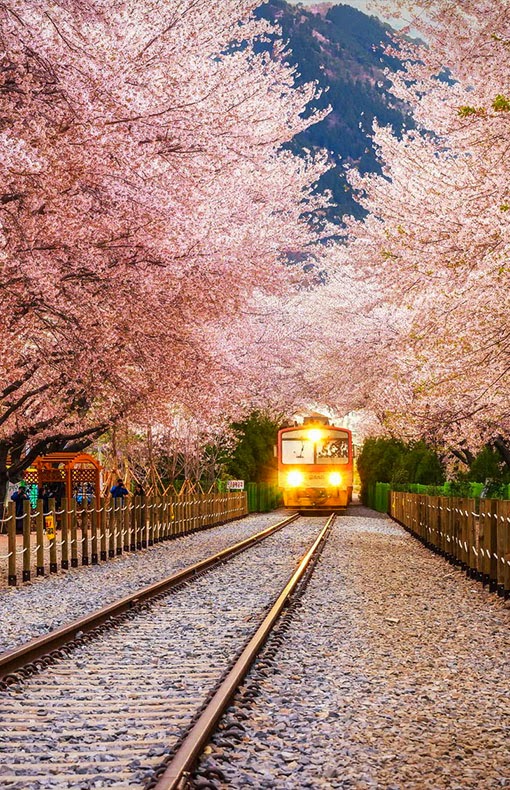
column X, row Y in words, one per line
column 68, row 458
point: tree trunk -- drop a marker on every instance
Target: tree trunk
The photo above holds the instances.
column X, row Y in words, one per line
column 503, row 447
column 463, row 455
column 4, row 479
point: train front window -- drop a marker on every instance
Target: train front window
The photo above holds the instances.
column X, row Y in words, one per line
column 297, row 451
column 333, row 450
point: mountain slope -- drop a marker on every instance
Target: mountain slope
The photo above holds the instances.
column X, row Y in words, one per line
column 341, row 48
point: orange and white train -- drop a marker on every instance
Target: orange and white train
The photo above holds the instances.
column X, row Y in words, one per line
column 315, row 466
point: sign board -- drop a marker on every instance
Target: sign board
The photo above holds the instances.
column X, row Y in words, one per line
column 235, row 485
column 49, row 525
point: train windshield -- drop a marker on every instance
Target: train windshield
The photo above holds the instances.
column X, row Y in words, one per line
column 333, row 450
column 299, row 448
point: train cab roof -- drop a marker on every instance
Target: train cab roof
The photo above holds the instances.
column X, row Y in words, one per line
column 316, row 419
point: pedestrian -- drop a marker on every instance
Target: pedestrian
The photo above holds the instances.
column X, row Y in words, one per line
column 139, row 490
column 486, row 490
column 44, row 493
column 119, row 491
column 20, row 497
column 78, row 494
column 57, row 491
column 89, row 492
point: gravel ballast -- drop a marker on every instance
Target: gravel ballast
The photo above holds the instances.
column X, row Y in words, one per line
column 52, row 601
column 109, row 713
column 394, row 674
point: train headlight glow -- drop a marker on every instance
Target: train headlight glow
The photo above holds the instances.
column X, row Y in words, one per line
column 335, row 478
column 295, row 478
column 315, row 435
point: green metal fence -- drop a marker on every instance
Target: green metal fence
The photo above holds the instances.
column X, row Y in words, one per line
column 263, row 497
column 379, row 497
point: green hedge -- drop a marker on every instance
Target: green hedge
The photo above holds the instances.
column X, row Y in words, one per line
column 458, row 489
column 378, row 494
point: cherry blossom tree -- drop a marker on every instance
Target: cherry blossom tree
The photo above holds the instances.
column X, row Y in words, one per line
column 145, row 197
column 435, row 244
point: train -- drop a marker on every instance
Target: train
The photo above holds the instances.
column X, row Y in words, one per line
column 315, row 466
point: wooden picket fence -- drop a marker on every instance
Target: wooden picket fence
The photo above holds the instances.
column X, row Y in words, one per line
column 472, row 533
column 92, row 532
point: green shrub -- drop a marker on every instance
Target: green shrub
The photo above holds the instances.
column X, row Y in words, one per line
column 391, row 461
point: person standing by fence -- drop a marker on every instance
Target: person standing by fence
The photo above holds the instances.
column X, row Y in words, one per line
column 119, row 491
column 45, row 495
column 19, row 497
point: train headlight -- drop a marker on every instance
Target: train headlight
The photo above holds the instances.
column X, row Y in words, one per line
column 315, row 435
column 295, row 478
column 335, row 478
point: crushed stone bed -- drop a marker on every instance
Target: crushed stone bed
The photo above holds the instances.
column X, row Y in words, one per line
column 394, row 674
column 52, row 601
column 108, row 714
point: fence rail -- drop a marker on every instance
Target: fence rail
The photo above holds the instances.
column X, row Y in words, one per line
column 91, row 532
column 472, row 533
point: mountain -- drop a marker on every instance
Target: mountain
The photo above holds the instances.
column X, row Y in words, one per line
column 342, row 49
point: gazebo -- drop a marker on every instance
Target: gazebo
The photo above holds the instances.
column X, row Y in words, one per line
column 68, row 473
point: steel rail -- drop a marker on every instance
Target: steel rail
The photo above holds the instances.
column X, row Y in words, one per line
column 13, row 660
column 177, row 771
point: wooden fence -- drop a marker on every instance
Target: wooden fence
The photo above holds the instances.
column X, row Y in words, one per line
column 472, row 533
column 95, row 531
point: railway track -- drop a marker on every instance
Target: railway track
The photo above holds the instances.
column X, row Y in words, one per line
column 113, row 706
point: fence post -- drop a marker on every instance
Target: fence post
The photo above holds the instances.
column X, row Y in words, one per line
column 161, row 518
column 155, row 519
column 189, row 523
column 26, row 542
column 143, row 522
column 74, row 545
column 461, row 536
column 505, row 548
column 164, row 518
column 456, row 515
column 11, row 544
column 196, row 512
column 39, row 531
column 493, row 547
column 125, row 523
column 53, row 542
column 64, row 551
column 434, row 535
column 484, row 541
column 132, row 524
column 93, row 531
column 501, row 529
column 187, row 511
column 174, row 514
column 159, row 513
column 430, row 520
column 111, row 528
column 150, row 520
column 84, row 533
column 472, row 538
column 118, row 524
column 102, row 522
column 184, row 517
